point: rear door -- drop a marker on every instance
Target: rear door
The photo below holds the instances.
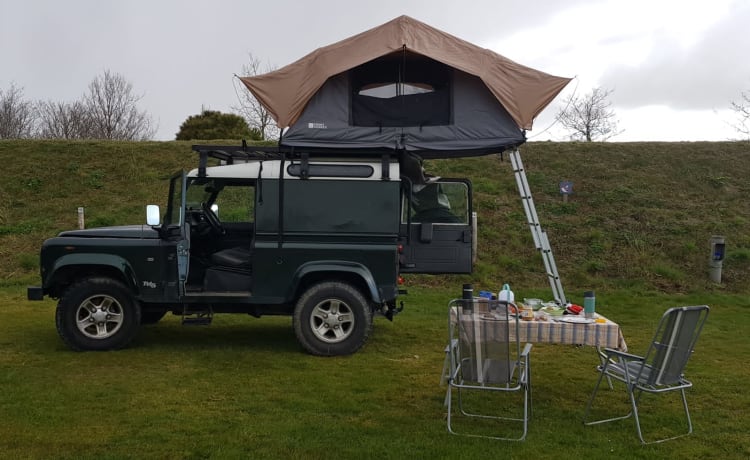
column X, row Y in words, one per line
column 436, row 227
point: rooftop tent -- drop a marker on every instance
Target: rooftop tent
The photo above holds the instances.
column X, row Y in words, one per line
column 405, row 85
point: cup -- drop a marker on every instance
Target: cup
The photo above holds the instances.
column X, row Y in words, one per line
column 468, row 298
column 589, row 304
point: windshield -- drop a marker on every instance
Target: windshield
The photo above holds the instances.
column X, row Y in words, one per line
column 232, row 200
column 173, row 215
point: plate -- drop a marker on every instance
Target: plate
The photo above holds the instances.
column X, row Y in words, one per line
column 490, row 317
column 575, row 319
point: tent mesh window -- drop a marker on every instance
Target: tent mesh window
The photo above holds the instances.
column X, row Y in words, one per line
column 401, row 89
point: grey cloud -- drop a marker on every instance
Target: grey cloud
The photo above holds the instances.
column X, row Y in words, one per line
column 706, row 76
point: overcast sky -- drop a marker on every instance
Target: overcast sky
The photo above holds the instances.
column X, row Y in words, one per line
column 674, row 65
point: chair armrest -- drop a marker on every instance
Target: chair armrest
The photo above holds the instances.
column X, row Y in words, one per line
column 526, row 350
column 612, row 352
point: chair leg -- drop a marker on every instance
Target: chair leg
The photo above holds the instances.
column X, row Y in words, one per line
column 591, row 402
column 604, row 359
column 529, row 388
column 634, row 404
column 526, row 411
column 448, row 400
column 638, row 424
column 687, row 412
column 450, row 407
column 591, row 398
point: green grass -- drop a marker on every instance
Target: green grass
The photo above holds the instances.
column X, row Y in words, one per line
column 242, row 388
column 636, row 230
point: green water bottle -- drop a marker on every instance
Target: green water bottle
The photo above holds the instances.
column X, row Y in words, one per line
column 589, row 304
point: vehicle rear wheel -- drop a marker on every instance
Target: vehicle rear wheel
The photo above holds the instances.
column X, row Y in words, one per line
column 97, row 314
column 332, row 319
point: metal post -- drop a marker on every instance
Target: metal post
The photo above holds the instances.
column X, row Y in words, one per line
column 81, row 225
column 474, row 235
column 716, row 261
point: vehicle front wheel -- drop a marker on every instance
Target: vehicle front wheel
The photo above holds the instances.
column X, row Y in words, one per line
column 331, row 319
column 97, row 314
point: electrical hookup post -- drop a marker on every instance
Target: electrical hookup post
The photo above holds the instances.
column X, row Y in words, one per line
column 540, row 236
column 566, row 189
column 716, row 260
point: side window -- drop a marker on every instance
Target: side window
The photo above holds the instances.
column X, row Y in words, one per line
column 236, row 203
column 442, row 202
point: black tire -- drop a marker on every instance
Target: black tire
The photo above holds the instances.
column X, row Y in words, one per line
column 97, row 314
column 332, row 319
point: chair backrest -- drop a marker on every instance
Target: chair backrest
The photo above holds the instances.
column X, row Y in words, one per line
column 673, row 344
column 488, row 348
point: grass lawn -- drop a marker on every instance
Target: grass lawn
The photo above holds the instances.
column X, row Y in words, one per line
column 242, row 388
column 635, row 231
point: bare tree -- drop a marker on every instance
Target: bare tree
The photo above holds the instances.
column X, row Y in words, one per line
column 17, row 115
column 741, row 109
column 255, row 114
column 63, row 120
column 112, row 108
column 589, row 117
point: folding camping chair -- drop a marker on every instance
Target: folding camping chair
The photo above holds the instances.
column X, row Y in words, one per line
column 661, row 369
column 486, row 360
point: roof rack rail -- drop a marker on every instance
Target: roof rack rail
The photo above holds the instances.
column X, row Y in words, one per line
column 229, row 153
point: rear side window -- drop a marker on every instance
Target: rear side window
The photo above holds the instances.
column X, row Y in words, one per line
column 443, row 202
column 325, row 170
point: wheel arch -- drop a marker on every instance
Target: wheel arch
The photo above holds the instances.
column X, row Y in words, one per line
column 355, row 274
column 70, row 268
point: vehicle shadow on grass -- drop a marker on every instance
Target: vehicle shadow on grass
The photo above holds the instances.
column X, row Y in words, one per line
column 249, row 333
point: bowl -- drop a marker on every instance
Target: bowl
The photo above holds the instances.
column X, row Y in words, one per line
column 553, row 311
column 535, row 304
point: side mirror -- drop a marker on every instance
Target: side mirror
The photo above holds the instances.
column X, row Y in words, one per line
column 152, row 215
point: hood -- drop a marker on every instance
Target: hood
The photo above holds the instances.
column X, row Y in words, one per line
column 123, row 231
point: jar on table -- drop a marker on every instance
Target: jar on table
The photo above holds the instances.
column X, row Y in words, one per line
column 527, row 313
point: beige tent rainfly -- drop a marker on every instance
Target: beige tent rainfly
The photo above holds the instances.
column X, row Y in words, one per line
column 405, row 85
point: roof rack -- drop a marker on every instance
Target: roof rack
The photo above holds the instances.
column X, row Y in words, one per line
column 229, row 153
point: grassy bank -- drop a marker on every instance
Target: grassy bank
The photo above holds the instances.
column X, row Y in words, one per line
column 640, row 217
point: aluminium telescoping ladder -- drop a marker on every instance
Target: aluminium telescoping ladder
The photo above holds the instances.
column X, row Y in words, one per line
column 540, row 236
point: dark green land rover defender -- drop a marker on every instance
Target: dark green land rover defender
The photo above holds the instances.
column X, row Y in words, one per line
column 322, row 238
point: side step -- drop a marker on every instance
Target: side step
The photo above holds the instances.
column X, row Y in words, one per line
column 197, row 317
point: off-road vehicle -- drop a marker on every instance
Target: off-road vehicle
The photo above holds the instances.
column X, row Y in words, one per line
column 319, row 236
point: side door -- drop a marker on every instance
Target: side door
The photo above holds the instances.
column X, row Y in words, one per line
column 437, row 230
column 176, row 236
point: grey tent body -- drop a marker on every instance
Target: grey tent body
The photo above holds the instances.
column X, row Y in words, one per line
column 475, row 121
column 406, row 86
